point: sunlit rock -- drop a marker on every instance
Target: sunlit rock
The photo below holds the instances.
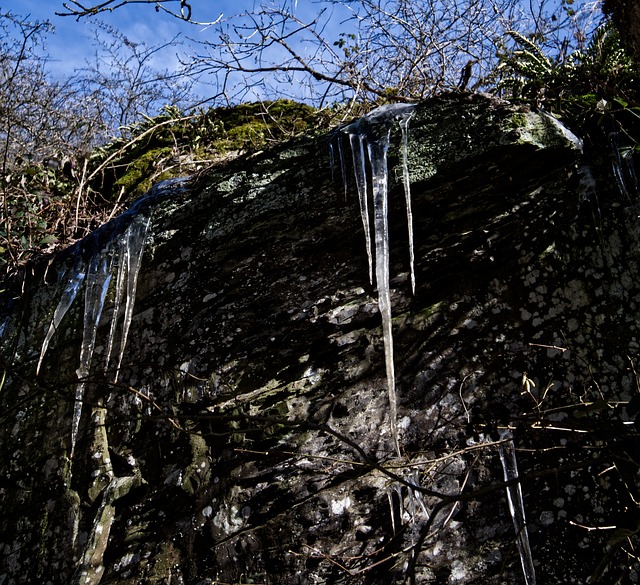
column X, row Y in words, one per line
column 233, row 423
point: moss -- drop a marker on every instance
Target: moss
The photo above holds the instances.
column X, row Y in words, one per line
column 541, row 131
column 168, row 145
column 517, row 120
column 197, row 472
column 253, row 125
column 141, row 173
column 175, row 149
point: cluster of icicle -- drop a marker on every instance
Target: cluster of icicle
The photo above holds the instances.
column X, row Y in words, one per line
column 117, row 245
column 369, row 138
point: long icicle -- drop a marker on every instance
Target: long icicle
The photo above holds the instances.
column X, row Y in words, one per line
column 360, row 172
column 343, row 167
column 117, row 300
column 374, row 130
column 378, row 149
column 96, row 286
column 135, row 237
column 72, row 286
column 507, row 452
column 404, row 128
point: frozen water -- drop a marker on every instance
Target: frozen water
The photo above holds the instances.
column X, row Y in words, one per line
column 372, row 133
column 343, row 166
column 379, row 180
column 404, row 127
column 507, row 451
column 133, row 248
column 360, row 172
column 332, row 162
column 69, row 293
column 117, row 299
column 623, row 166
column 96, row 286
column 120, row 240
column 129, row 230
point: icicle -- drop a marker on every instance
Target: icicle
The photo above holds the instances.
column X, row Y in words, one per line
column 134, row 245
column 404, row 127
column 623, row 166
column 374, row 130
column 516, row 505
column 360, row 171
column 395, row 508
column 98, row 279
column 332, row 162
column 379, row 180
column 120, row 280
column 343, row 167
column 69, row 294
column 97, row 284
column 135, row 237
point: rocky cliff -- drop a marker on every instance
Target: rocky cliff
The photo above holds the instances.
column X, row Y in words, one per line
column 197, row 392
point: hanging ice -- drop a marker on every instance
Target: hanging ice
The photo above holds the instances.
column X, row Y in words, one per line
column 507, row 451
column 117, row 299
column 332, row 163
column 343, row 167
column 130, row 256
column 360, row 172
column 98, row 278
column 69, row 293
column 623, row 165
column 129, row 250
column 379, row 178
column 404, row 127
column 373, row 131
column 120, row 240
column 134, row 224
column 97, row 284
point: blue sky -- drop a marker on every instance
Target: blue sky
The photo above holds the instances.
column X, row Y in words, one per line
column 71, row 45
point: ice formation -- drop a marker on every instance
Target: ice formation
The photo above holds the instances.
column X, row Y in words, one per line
column 119, row 243
column 371, row 134
column 130, row 256
column 623, row 166
column 72, row 286
column 507, row 451
column 404, row 127
column 360, row 172
column 343, row 169
column 97, row 282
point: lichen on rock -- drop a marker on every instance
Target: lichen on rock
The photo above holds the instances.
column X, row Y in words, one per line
column 248, row 430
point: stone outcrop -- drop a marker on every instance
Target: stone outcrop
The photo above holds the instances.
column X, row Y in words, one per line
column 246, row 438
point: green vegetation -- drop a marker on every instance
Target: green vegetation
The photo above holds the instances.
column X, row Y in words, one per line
column 55, row 202
column 172, row 143
column 587, row 90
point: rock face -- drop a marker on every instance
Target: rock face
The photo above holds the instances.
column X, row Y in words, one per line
column 245, row 437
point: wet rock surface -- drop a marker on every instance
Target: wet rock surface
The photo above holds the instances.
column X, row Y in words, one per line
column 247, row 435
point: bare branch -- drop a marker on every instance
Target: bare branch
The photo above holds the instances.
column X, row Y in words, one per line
column 182, row 12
